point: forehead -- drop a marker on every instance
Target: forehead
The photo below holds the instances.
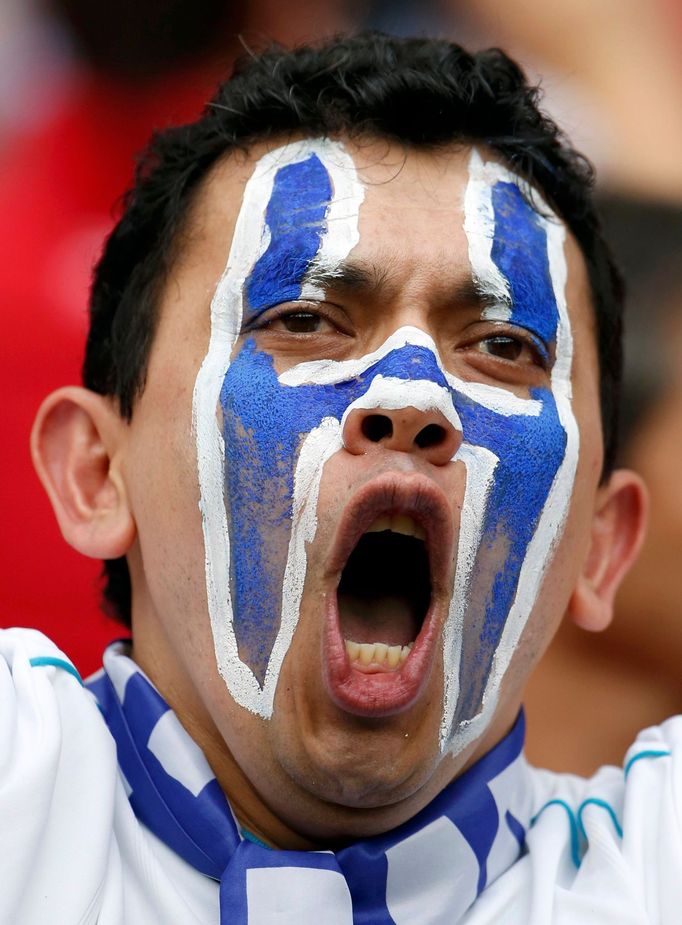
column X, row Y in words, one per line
column 416, row 195
column 412, row 196
column 411, row 226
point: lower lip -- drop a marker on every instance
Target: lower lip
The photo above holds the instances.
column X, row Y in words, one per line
column 377, row 694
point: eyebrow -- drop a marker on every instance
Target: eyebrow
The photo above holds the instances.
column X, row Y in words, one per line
column 360, row 277
column 351, row 276
column 472, row 291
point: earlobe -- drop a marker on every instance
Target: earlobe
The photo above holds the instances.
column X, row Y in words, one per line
column 617, row 532
column 75, row 444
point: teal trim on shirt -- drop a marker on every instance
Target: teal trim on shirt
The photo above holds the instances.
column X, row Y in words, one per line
column 576, row 821
column 596, row 801
column 249, row 836
column 40, row 660
column 573, row 824
column 650, row 753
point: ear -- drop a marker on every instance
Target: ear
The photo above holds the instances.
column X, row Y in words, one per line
column 618, row 530
column 75, row 443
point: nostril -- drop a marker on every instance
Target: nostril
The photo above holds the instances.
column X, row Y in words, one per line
column 431, row 435
column 376, row 427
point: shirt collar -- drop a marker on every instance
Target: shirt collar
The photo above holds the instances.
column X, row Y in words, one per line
column 442, row 858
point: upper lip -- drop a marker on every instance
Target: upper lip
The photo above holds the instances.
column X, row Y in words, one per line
column 414, row 495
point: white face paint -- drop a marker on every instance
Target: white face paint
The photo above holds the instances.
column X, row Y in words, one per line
column 261, row 458
column 532, row 236
column 280, row 179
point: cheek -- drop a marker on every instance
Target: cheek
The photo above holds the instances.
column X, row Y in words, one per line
column 163, row 492
column 265, row 426
column 528, row 451
column 515, row 531
column 161, row 462
column 260, row 451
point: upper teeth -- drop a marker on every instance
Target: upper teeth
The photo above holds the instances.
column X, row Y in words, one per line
column 397, row 523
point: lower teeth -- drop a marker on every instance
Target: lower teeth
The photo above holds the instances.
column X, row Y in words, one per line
column 366, row 654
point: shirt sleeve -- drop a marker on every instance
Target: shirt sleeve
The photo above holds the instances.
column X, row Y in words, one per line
column 603, row 850
column 57, row 787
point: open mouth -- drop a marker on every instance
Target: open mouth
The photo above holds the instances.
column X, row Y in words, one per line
column 384, row 594
column 392, row 559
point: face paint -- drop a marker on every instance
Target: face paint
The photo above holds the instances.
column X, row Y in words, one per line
column 517, row 256
column 300, row 209
column 262, row 457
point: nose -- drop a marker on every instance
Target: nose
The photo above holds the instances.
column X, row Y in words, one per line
column 427, row 434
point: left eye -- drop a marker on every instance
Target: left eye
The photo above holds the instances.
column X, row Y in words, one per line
column 301, row 322
column 507, row 348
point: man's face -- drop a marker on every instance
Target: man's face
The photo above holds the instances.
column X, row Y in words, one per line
column 385, row 444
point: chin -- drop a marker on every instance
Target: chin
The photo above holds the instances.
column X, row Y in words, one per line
column 354, row 762
column 362, row 795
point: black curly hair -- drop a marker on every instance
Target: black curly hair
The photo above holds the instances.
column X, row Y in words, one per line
column 423, row 93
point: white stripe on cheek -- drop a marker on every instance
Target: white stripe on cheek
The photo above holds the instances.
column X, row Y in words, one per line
column 552, row 519
column 480, row 466
column 319, row 445
column 249, row 242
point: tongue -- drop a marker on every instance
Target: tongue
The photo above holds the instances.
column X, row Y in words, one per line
column 385, row 618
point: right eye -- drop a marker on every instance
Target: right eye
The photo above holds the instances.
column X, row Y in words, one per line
column 300, row 319
column 505, row 347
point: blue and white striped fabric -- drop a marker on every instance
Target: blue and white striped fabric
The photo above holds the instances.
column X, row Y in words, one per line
column 439, row 861
column 598, row 851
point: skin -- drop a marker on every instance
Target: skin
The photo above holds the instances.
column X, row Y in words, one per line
column 315, row 775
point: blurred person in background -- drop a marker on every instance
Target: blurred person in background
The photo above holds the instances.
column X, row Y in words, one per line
column 610, row 71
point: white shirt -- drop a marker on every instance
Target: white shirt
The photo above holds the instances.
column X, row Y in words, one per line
column 603, row 850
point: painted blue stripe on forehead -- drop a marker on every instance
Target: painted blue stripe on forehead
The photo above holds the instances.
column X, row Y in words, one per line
column 296, row 220
column 520, row 252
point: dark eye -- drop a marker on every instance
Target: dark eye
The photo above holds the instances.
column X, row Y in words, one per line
column 301, row 322
column 507, row 348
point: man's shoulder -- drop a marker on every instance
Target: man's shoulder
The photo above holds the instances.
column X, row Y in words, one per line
column 50, row 725
column 607, row 848
column 57, row 781
column 72, row 849
column 648, row 771
column 41, row 689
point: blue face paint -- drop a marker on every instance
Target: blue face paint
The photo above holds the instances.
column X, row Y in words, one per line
column 259, row 445
column 265, row 422
column 296, row 220
column 264, row 425
column 529, row 449
column 520, row 252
